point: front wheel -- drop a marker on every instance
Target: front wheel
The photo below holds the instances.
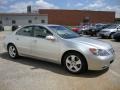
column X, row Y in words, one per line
column 12, row 51
column 75, row 63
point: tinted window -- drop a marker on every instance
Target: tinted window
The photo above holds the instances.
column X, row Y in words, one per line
column 41, row 32
column 112, row 26
column 26, row 31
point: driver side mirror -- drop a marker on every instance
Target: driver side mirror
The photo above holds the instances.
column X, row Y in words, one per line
column 50, row 37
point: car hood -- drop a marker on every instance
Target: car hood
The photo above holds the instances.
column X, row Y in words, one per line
column 92, row 42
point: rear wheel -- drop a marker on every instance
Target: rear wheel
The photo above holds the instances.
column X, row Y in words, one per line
column 75, row 63
column 12, row 51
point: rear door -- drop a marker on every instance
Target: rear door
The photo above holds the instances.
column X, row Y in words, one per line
column 23, row 40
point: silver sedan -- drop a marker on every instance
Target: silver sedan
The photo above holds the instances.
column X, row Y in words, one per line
column 55, row 43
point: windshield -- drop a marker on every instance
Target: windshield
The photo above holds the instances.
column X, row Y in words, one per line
column 64, row 32
column 112, row 26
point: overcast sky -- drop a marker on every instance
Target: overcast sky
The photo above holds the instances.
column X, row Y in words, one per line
column 99, row 5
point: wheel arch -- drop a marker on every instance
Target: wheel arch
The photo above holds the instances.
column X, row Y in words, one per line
column 111, row 34
column 10, row 43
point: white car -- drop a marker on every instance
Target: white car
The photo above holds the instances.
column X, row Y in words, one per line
column 110, row 31
column 55, row 43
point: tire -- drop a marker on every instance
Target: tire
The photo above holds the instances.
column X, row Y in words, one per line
column 117, row 40
column 111, row 36
column 12, row 51
column 75, row 63
column 102, row 37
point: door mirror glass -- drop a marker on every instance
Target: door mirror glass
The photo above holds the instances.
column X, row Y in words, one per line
column 50, row 37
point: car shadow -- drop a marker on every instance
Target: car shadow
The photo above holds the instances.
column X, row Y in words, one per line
column 113, row 40
column 36, row 64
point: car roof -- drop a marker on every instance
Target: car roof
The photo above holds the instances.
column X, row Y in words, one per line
column 43, row 25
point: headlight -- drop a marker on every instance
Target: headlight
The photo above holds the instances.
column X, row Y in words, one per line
column 99, row 52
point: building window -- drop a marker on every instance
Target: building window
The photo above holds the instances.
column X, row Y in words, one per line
column 13, row 22
column 0, row 22
column 29, row 21
column 86, row 19
column 42, row 21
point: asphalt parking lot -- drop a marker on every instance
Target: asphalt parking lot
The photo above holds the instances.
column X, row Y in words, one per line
column 30, row 74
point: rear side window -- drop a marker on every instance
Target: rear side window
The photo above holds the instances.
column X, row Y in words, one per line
column 25, row 31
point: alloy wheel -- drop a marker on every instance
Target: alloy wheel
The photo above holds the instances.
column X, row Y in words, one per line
column 12, row 51
column 73, row 63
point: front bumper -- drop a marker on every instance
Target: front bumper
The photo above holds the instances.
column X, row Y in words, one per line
column 100, row 62
column 104, row 34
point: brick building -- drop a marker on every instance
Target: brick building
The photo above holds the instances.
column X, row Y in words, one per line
column 75, row 17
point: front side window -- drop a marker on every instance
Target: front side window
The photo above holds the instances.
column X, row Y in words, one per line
column 112, row 26
column 41, row 32
column 26, row 31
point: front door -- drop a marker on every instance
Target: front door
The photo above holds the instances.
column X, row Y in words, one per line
column 45, row 48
